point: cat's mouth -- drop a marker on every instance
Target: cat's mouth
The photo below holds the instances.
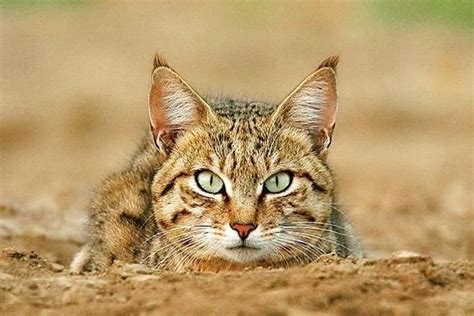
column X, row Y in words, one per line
column 242, row 247
column 243, row 252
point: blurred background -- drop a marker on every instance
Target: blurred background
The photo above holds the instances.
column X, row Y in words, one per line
column 74, row 80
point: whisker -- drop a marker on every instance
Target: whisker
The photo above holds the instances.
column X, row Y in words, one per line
column 159, row 233
column 286, row 243
column 306, row 246
column 314, row 224
column 188, row 252
column 316, row 238
column 288, row 227
column 171, row 241
column 176, row 250
column 146, row 221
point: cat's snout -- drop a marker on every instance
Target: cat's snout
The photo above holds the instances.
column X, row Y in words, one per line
column 243, row 229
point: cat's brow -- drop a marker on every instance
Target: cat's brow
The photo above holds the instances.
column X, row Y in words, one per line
column 314, row 184
column 172, row 182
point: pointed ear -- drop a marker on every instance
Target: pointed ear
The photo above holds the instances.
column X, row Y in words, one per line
column 312, row 106
column 173, row 105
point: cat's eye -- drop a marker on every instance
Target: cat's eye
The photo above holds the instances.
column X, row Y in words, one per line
column 209, row 182
column 278, row 182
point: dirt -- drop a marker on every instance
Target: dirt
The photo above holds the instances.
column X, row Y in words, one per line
column 73, row 106
column 403, row 284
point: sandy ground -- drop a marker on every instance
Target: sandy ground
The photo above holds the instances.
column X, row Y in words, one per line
column 403, row 285
column 74, row 84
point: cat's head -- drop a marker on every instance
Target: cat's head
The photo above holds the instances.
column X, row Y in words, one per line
column 245, row 183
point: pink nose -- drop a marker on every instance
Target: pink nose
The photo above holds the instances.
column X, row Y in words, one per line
column 243, row 229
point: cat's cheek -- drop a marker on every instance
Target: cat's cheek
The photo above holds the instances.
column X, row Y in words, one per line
column 167, row 207
column 179, row 213
column 287, row 211
column 197, row 212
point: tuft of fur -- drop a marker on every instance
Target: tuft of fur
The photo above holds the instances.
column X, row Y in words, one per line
column 330, row 62
column 159, row 61
column 154, row 212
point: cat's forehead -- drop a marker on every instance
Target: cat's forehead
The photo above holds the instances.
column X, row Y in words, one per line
column 248, row 133
column 246, row 145
column 233, row 109
column 245, row 130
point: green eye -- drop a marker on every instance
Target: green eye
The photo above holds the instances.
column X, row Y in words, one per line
column 209, row 182
column 278, row 182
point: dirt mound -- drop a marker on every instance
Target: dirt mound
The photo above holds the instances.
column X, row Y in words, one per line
column 404, row 284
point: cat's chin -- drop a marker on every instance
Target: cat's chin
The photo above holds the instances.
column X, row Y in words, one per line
column 243, row 254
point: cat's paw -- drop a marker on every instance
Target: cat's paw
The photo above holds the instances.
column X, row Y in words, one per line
column 81, row 261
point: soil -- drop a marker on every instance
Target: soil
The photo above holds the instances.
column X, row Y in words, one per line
column 73, row 106
column 402, row 284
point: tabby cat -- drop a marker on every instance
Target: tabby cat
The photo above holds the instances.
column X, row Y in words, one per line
column 224, row 184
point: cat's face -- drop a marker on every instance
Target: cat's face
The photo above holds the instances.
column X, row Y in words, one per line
column 225, row 176
column 243, row 189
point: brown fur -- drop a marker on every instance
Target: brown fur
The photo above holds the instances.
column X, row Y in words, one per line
column 153, row 212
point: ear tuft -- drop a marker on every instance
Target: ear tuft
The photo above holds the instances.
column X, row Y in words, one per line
column 330, row 62
column 159, row 61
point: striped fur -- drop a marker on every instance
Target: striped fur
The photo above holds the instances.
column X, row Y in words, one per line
column 153, row 211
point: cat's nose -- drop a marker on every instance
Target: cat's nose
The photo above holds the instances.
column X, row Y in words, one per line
column 243, row 229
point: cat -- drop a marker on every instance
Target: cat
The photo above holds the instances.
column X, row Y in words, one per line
column 224, row 184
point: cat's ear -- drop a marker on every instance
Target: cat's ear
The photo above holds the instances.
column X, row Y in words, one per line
column 312, row 105
column 173, row 105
